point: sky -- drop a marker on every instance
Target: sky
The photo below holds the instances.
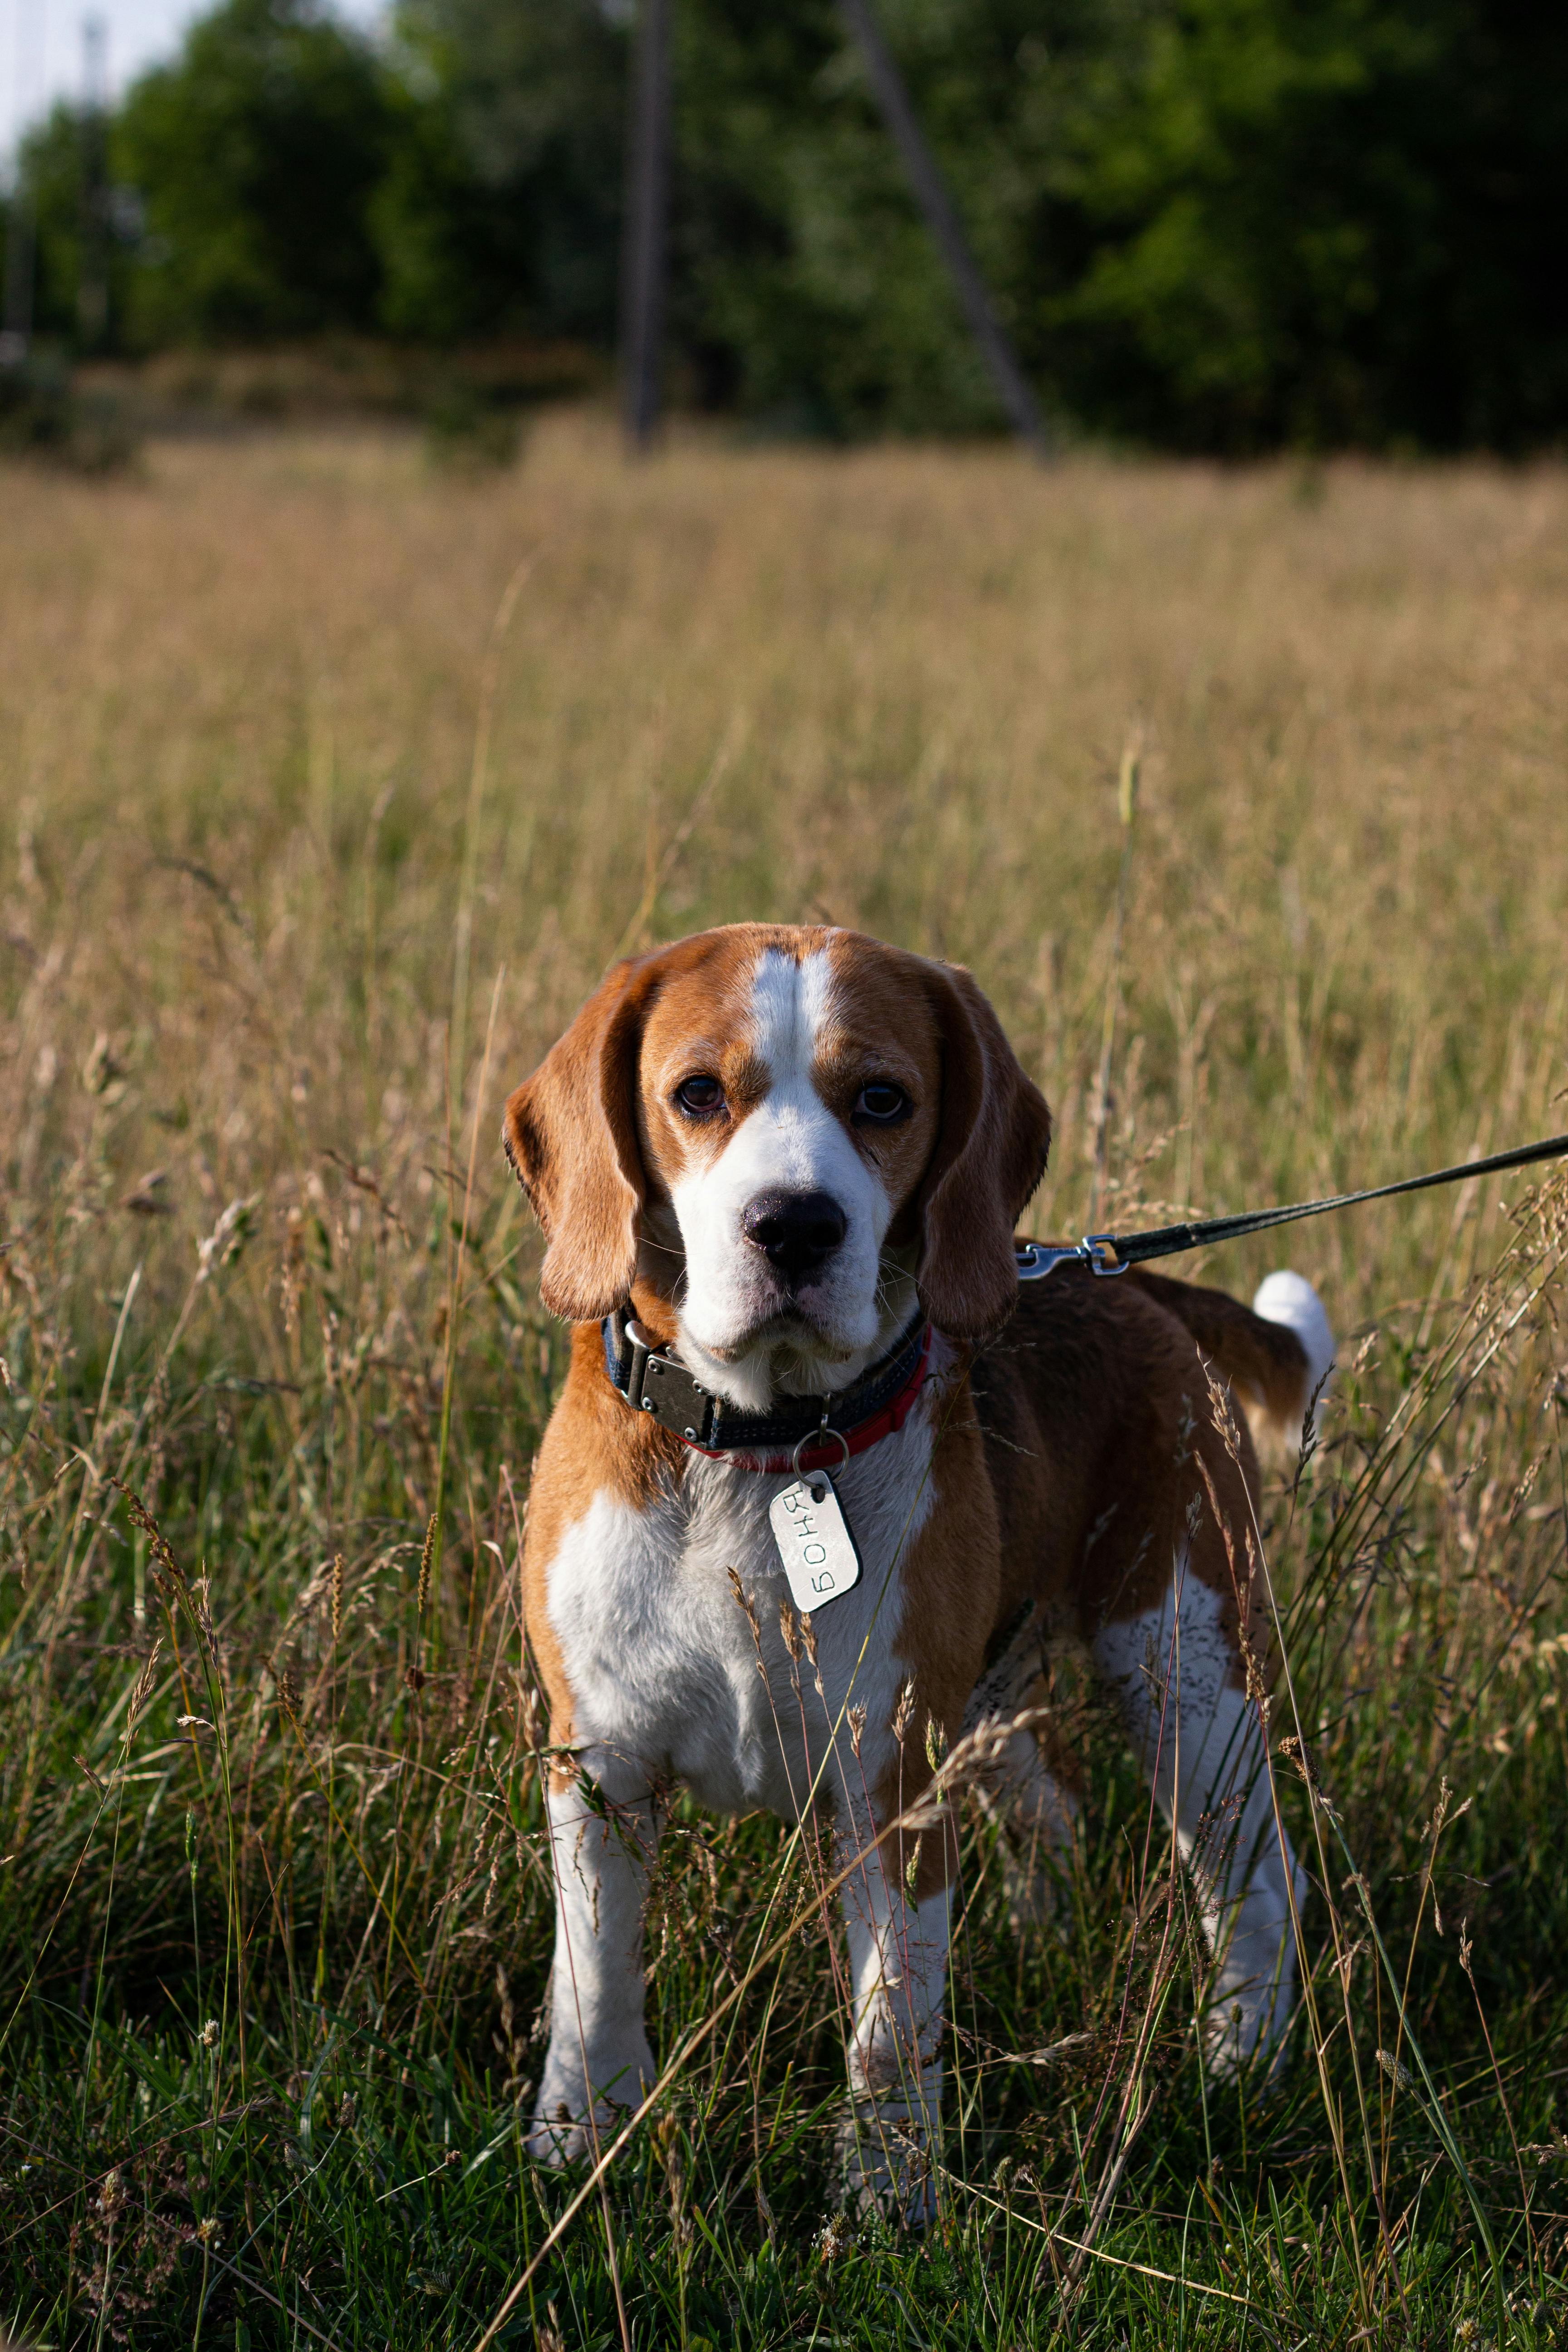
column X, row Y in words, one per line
column 42, row 42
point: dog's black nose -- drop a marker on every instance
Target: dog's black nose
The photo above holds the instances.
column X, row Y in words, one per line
column 795, row 1231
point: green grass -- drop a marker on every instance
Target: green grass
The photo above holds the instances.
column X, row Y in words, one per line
column 272, row 1977
column 343, row 1874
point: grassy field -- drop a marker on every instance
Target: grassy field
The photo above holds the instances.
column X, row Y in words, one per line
column 329, row 788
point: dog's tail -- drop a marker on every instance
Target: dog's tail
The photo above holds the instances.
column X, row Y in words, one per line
column 1278, row 1354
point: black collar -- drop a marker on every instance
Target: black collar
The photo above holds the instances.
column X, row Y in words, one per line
column 653, row 1382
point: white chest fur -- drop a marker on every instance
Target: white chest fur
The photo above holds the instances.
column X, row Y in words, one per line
column 662, row 1659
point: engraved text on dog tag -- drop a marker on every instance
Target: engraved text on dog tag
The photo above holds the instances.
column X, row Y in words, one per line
column 814, row 1540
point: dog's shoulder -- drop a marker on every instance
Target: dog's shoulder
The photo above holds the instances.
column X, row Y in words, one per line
column 595, row 1457
column 593, row 1446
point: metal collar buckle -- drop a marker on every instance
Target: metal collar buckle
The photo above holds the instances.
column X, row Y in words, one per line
column 658, row 1385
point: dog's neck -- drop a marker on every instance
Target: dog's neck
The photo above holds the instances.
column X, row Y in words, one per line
column 783, row 1363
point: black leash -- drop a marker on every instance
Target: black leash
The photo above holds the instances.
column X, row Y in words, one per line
column 1114, row 1253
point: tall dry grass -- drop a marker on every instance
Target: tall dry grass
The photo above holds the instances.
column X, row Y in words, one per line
column 330, row 789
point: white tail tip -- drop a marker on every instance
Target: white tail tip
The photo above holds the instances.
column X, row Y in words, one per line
column 1289, row 1299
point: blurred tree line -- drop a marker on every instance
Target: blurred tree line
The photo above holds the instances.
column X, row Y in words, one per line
column 1220, row 225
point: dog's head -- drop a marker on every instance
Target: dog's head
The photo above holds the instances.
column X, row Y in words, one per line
column 784, row 1135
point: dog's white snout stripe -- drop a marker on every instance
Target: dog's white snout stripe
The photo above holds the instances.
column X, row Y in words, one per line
column 791, row 1149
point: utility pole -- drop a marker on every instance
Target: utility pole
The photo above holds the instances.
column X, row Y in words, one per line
column 92, row 276
column 647, row 247
column 930, row 194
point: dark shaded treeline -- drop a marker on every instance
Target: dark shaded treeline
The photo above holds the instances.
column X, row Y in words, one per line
column 1222, row 225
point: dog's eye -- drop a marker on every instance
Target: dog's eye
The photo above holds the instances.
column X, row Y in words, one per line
column 881, row 1103
column 700, row 1096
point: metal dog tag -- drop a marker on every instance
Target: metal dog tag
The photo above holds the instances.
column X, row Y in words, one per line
column 814, row 1540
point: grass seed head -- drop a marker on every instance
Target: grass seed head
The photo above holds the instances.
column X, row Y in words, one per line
column 426, row 1558
column 142, row 1691
column 903, row 1711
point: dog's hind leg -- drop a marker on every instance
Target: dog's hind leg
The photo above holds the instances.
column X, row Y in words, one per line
column 1177, row 1676
column 602, row 1837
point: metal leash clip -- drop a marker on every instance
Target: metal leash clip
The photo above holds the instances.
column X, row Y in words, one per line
column 1097, row 1251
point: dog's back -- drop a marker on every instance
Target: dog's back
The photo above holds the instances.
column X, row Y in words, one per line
column 1092, row 1398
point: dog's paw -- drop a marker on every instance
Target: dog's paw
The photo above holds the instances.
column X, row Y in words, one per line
column 1031, row 1884
column 557, row 2137
column 1245, row 2033
column 570, row 2128
column 885, row 2165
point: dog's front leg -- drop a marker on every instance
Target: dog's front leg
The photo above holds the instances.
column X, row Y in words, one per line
column 897, row 1938
column 604, row 1833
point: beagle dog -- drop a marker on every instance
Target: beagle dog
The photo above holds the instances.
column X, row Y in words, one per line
column 779, row 1170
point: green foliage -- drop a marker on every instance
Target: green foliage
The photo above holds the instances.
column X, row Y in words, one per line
column 809, row 291
column 501, row 204
column 1316, row 223
column 51, row 161
column 258, row 151
column 469, row 434
column 1220, row 225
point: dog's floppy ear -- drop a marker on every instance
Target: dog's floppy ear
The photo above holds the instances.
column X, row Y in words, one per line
column 570, row 1132
column 990, row 1155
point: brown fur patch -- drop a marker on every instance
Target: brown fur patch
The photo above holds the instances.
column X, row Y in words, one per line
column 1070, row 1471
column 1098, row 1417
column 1265, row 1363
